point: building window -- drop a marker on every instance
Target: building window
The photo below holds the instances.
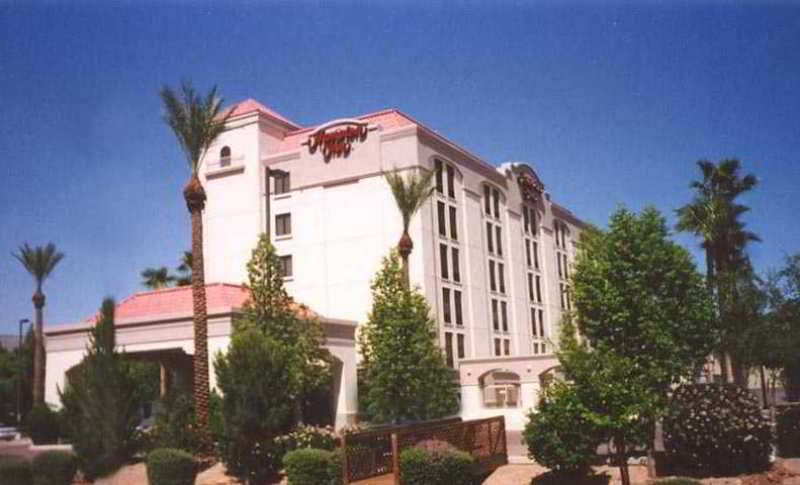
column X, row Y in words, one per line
column 489, row 243
column 528, row 259
column 487, row 200
column 504, row 315
column 530, row 286
column 507, row 347
column 225, row 156
column 498, row 240
column 448, row 346
column 560, row 273
column 538, row 288
column 460, row 345
column 441, row 209
column 453, row 224
column 496, row 200
column 457, row 305
column 286, row 266
column 456, row 267
column 566, row 266
column 535, row 255
column 500, row 387
column 534, row 326
column 492, row 280
column 439, row 183
column 451, row 186
column 443, row 258
column 501, row 277
column 563, row 296
column 526, row 219
column 446, row 305
column 495, row 316
column 541, row 323
column 497, row 347
column 282, row 185
column 283, row 224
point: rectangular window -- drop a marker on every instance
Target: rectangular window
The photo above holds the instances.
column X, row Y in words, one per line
column 453, row 224
column 501, row 277
column 507, row 347
column 538, row 288
column 496, row 197
column 442, row 221
column 460, row 343
column 536, row 348
column 451, row 186
column 487, row 200
column 443, row 260
column 286, row 266
column 495, row 316
column 497, row 347
column 457, row 305
column 566, row 267
column 533, row 221
column 504, row 315
column 499, row 240
column 456, row 267
column 448, row 346
column 534, row 327
column 541, row 323
column 567, row 297
column 282, row 185
column 283, row 224
column 563, row 294
column 446, row 305
column 492, row 280
column 530, row 286
column 439, row 183
column 489, row 237
column 558, row 257
column 544, row 348
column 528, row 259
column 535, row 255
column 526, row 219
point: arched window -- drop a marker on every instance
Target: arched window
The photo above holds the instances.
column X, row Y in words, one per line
column 500, row 389
column 225, row 156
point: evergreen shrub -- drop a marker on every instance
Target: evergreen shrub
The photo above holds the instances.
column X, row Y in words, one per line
column 168, row 466
column 311, row 466
column 43, row 424
column 175, row 423
column 716, row 430
column 788, row 431
column 54, row 467
column 419, row 466
column 15, row 470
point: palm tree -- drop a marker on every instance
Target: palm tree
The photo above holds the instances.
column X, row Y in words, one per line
column 713, row 215
column 185, row 268
column 157, row 278
column 409, row 194
column 196, row 123
column 40, row 262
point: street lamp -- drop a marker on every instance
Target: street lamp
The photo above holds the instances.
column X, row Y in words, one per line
column 271, row 172
column 19, row 372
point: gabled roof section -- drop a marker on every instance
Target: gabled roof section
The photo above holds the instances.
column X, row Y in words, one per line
column 250, row 105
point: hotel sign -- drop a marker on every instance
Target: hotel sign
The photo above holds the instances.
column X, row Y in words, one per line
column 530, row 185
column 335, row 139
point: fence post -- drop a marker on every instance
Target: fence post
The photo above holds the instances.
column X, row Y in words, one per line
column 395, row 466
column 345, row 472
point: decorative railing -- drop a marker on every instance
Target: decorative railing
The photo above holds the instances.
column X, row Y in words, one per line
column 376, row 452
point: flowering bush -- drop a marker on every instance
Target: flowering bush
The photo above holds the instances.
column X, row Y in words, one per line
column 713, row 429
column 304, row 436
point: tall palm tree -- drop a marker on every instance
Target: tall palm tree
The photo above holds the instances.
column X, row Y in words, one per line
column 713, row 215
column 185, row 269
column 409, row 194
column 40, row 262
column 196, row 123
column 157, row 278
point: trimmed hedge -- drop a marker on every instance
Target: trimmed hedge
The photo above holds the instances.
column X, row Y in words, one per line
column 419, row 466
column 43, row 425
column 54, row 468
column 168, row 466
column 313, row 466
column 716, row 430
column 15, row 470
column 788, row 430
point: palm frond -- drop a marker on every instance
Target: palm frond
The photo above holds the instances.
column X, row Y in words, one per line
column 410, row 193
column 39, row 261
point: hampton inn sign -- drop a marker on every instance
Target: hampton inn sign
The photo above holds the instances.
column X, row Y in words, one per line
column 335, row 139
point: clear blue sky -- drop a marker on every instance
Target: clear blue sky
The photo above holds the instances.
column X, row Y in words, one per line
column 610, row 104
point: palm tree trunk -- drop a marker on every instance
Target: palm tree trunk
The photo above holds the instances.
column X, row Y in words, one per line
column 195, row 201
column 404, row 247
column 38, row 348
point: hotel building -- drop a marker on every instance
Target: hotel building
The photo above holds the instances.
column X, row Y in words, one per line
column 492, row 250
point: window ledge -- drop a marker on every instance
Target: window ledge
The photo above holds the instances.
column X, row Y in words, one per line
column 283, row 237
column 224, row 171
column 285, row 195
column 288, row 279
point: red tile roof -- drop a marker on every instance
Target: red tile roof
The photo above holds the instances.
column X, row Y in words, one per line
column 250, row 105
column 178, row 300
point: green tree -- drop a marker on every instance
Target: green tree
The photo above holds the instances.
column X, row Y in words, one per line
column 196, row 122
column 714, row 215
column 409, row 195
column 646, row 319
column 253, row 378
column 39, row 262
column 9, row 370
column 272, row 311
column 101, row 402
column 781, row 339
column 157, row 278
column 404, row 370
